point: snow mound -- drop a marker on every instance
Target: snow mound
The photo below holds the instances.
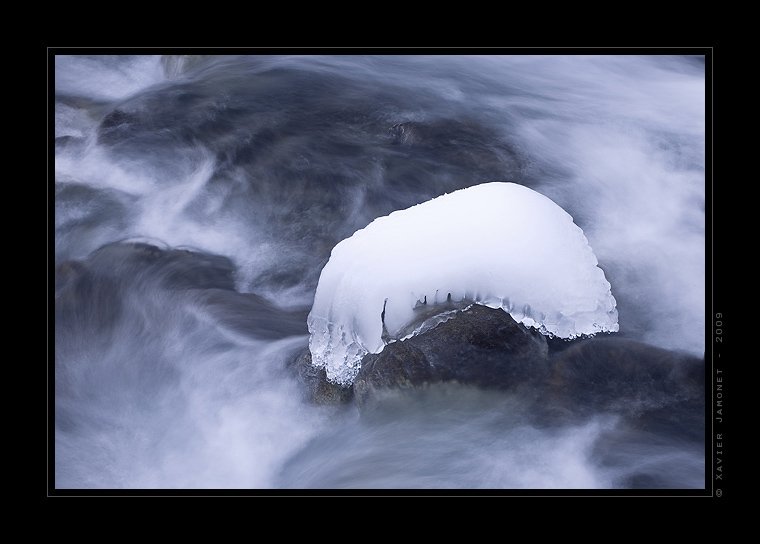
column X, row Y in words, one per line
column 497, row 244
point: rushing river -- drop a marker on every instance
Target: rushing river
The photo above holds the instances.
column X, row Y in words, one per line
column 263, row 164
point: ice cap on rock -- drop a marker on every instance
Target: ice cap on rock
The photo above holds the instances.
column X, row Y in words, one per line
column 498, row 244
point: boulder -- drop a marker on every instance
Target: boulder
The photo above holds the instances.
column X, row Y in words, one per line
column 84, row 299
column 175, row 268
column 251, row 315
column 480, row 346
column 614, row 374
column 91, row 292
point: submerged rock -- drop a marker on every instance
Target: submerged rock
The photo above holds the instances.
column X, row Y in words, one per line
column 175, row 268
column 91, row 292
column 83, row 299
column 625, row 376
column 480, row 346
column 252, row 315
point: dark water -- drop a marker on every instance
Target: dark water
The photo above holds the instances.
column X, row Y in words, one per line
column 170, row 369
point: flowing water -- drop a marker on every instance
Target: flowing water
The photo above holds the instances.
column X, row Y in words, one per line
column 263, row 164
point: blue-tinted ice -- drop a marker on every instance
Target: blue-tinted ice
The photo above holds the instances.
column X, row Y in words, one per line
column 498, row 244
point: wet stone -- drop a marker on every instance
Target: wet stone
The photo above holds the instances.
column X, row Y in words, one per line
column 481, row 346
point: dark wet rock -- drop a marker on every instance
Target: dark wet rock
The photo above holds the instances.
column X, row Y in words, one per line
column 317, row 389
column 467, row 138
column 117, row 125
column 91, row 292
column 67, row 141
column 481, row 347
column 176, row 268
column 252, row 315
column 83, row 299
column 682, row 420
column 622, row 375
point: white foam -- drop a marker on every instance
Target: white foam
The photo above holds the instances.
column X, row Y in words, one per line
column 106, row 77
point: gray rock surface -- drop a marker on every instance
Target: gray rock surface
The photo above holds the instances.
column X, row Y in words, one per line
column 480, row 346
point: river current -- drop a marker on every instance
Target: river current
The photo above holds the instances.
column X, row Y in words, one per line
column 263, row 163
